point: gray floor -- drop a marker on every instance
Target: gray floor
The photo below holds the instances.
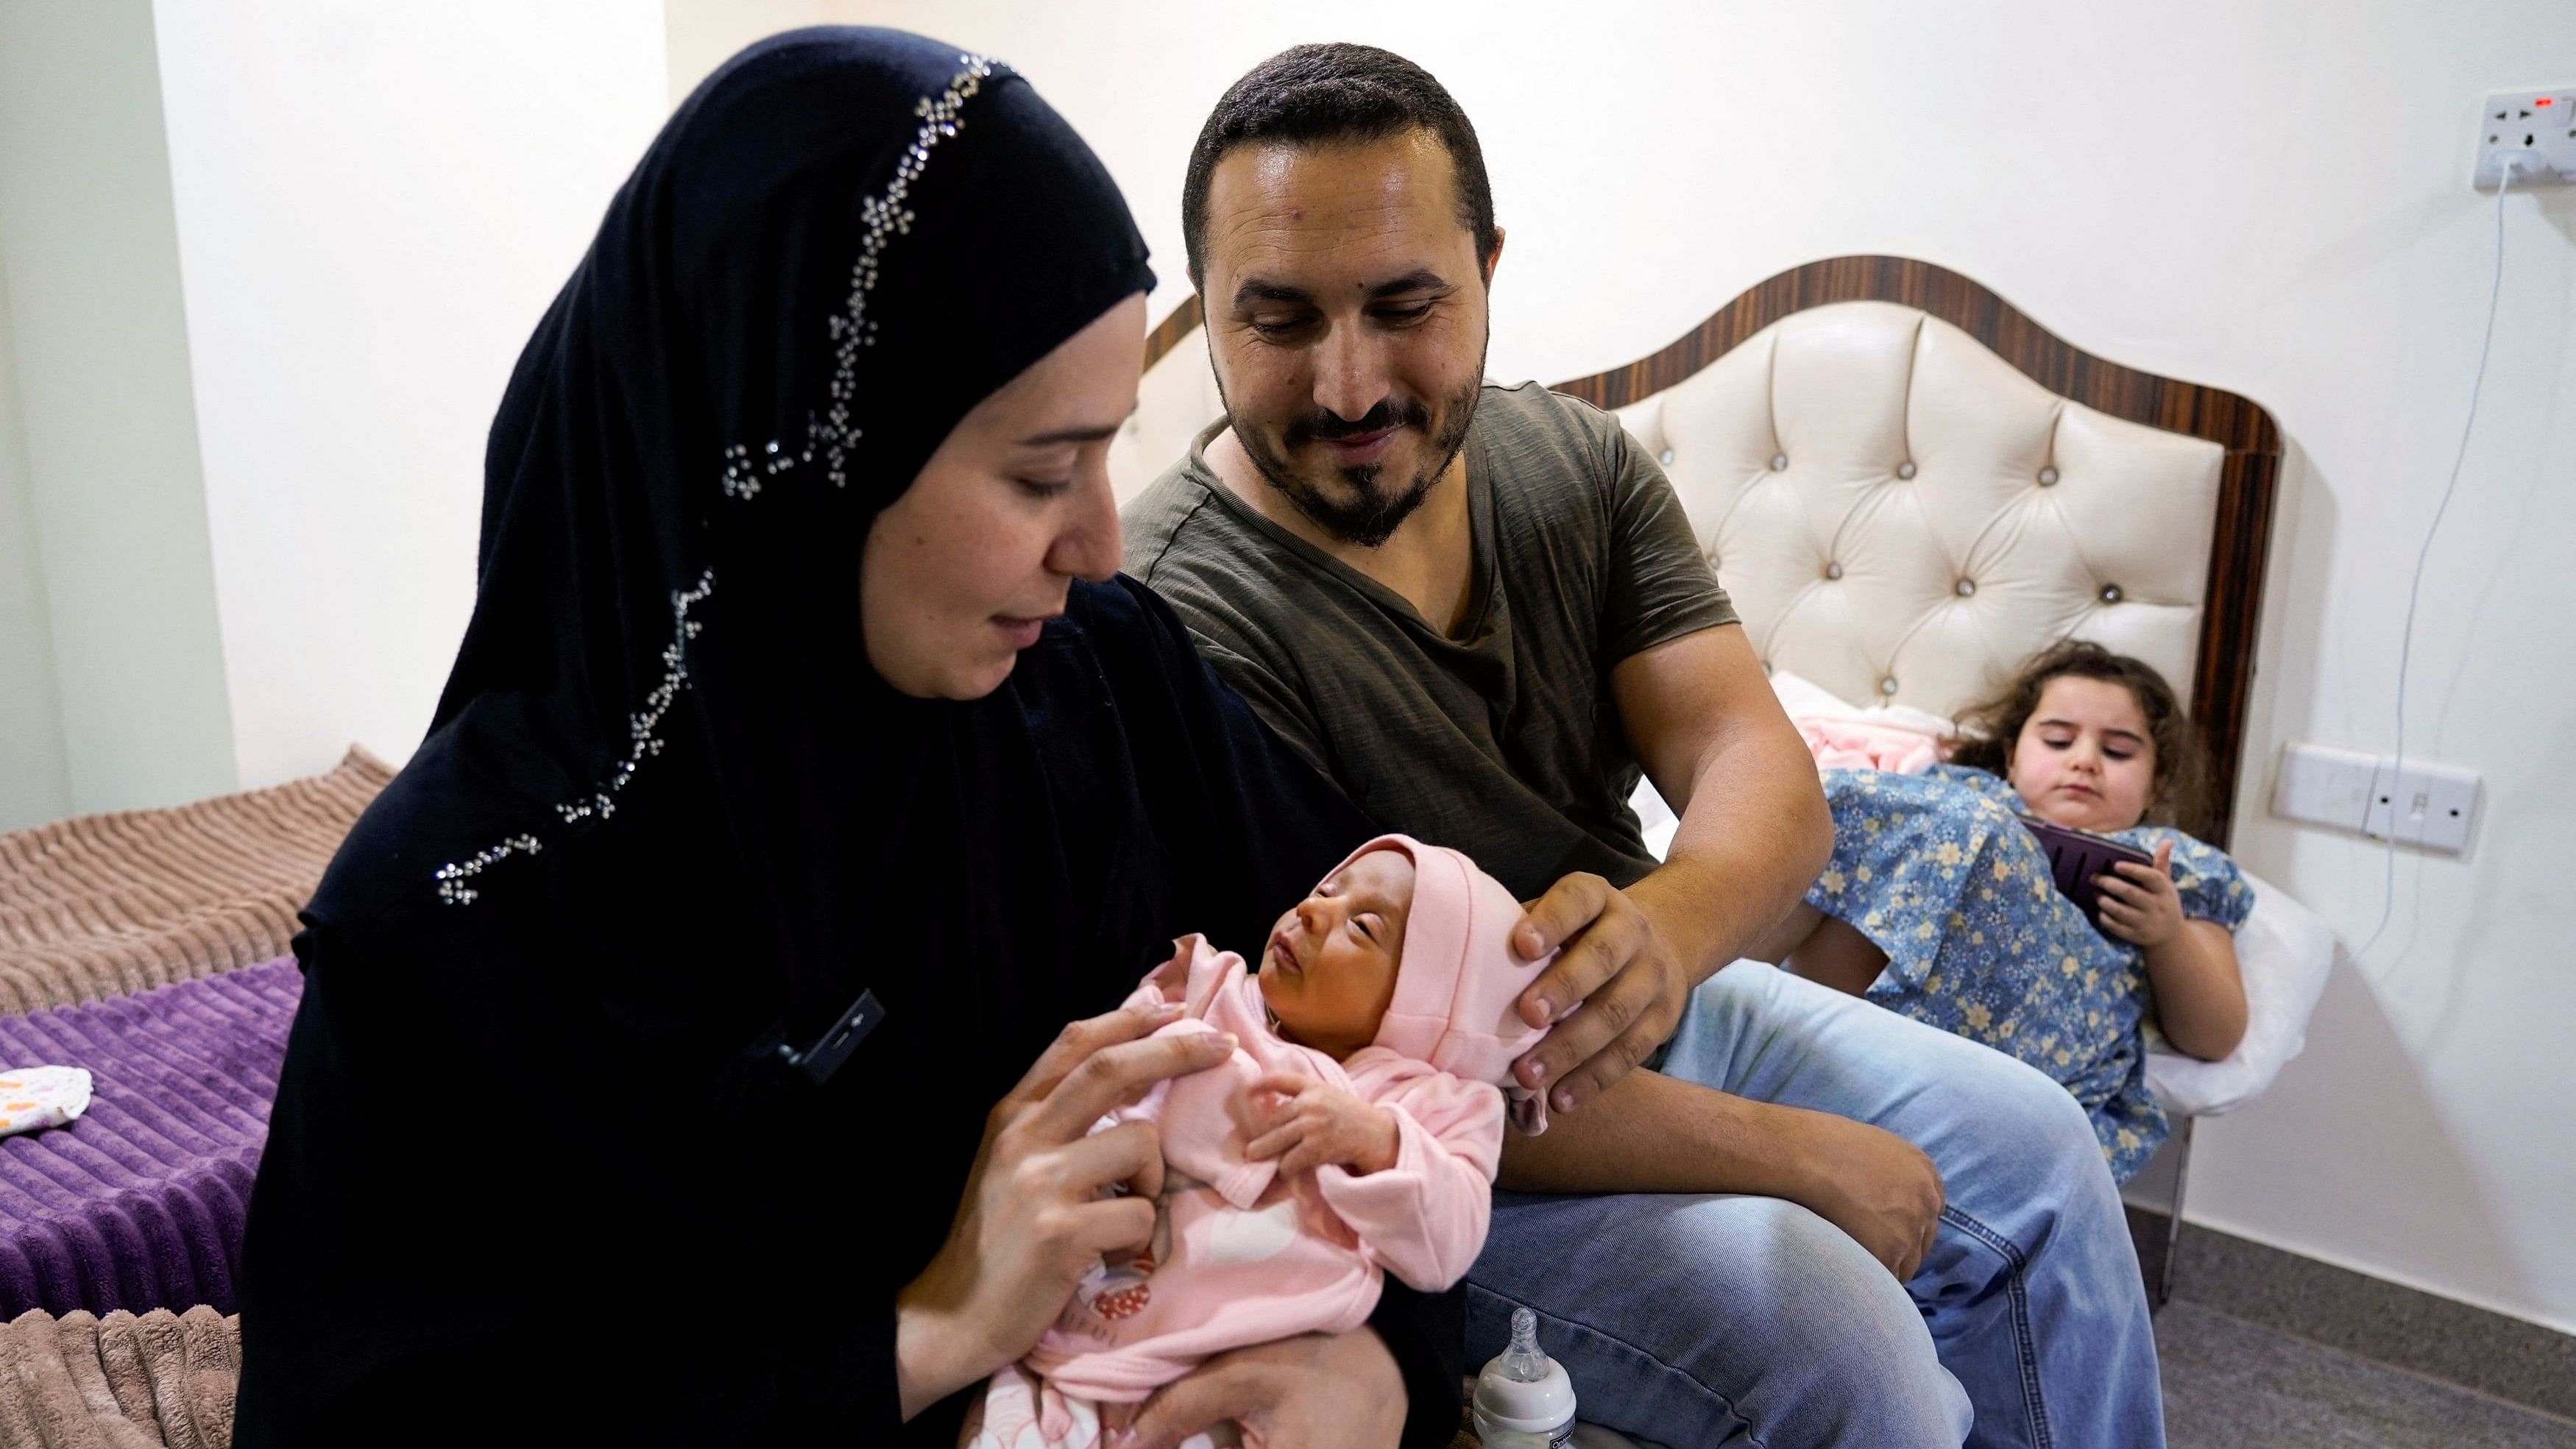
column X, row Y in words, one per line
column 2231, row 1385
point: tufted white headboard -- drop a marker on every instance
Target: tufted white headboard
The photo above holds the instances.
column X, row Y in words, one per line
column 1908, row 488
column 1901, row 516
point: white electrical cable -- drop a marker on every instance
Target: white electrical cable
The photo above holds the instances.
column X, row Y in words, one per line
column 2406, row 637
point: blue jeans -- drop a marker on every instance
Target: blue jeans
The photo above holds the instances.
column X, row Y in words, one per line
column 1701, row 1320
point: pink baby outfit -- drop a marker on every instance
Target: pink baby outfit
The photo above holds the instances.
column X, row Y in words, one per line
column 1241, row 1255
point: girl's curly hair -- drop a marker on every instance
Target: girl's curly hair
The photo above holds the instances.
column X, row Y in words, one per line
column 2180, row 796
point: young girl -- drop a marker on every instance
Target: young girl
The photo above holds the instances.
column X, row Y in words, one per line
column 1938, row 902
column 1352, row 1131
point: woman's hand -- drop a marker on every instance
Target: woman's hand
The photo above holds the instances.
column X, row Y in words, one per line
column 1313, row 1391
column 1315, row 1124
column 2139, row 903
column 1033, row 1219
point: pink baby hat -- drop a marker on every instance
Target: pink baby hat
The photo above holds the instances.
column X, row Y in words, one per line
column 1458, row 980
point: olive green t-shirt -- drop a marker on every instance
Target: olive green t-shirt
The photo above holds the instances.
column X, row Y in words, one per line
column 1505, row 740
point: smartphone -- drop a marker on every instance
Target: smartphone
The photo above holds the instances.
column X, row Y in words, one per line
column 2076, row 856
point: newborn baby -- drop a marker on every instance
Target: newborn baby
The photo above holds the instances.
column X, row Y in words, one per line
column 1354, row 1131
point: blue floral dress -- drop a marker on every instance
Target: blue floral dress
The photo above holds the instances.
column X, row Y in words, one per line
column 1937, row 872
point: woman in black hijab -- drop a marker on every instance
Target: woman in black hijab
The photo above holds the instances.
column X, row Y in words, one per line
column 803, row 772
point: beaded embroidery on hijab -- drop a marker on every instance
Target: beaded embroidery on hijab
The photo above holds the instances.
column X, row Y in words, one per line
column 851, row 329
column 887, row 217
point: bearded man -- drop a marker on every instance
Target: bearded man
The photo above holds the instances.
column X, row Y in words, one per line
column 1481, row 611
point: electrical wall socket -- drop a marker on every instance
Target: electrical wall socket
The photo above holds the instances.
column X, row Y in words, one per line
column 2424, row 804
column 2429, row 805
column 2539, row 127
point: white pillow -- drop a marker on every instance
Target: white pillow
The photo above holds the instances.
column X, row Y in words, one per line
column 1802, row 698
column 1655, row 818
column 2285, row 951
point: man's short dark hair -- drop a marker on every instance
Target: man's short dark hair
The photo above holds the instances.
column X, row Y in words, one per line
column 1318, row 94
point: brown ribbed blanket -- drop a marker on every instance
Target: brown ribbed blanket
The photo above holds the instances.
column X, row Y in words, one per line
column 119, row 1382
column 105, row 905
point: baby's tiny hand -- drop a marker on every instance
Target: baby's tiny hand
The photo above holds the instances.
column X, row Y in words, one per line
column 1315, row 1124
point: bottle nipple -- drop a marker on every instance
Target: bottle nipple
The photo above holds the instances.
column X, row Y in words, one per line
column 1522, row 1362
column 1523, row 1398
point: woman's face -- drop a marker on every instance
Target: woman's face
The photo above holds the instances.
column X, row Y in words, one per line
column 963, row 570
column 2085, row 757
column 1329, row 969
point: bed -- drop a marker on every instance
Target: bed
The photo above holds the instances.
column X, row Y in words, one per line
column 146, row 947
column 105, row 905
column 119, row 1380
column 140, row 1203
column 1908, row 487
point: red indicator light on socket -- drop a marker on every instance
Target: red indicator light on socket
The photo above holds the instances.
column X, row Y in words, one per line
column 2544, row 100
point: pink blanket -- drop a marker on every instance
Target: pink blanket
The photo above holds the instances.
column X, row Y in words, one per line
column 1850, row 744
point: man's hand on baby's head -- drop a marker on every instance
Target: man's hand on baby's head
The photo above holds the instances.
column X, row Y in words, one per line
column 1316, row 1124
column 1615, row 990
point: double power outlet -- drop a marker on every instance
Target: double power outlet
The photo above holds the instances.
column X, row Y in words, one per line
column 2537, row 129
column 2428, row 805
column 2424, row 804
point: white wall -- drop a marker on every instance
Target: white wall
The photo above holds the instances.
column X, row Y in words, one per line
column 34, row 785
column 375, row 205
column 110, row 660
column 2269, row 197
column 704, row 34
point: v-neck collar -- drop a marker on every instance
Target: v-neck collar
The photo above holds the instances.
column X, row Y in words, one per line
column 1486, row 610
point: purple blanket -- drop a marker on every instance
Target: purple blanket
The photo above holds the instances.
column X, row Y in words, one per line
column 139, row 1204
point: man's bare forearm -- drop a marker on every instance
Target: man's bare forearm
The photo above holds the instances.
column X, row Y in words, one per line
column 1654, row 1133
column 1754, row 828
column 1754, row 832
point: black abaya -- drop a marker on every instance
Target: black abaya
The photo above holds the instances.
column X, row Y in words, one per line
column 537, row 1169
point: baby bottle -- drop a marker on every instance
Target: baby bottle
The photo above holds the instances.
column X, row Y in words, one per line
column 1523, row 1398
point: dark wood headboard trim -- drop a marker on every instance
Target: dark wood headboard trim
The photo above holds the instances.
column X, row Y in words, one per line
column 2231, row 616
column 1167, row 334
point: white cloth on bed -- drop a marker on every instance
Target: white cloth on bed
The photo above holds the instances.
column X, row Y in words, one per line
column 34, row 1098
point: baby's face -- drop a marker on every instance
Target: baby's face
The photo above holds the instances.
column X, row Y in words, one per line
column 1329, row 970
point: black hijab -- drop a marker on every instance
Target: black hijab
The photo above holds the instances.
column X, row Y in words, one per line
column 840, row 244
column 540, row 1157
